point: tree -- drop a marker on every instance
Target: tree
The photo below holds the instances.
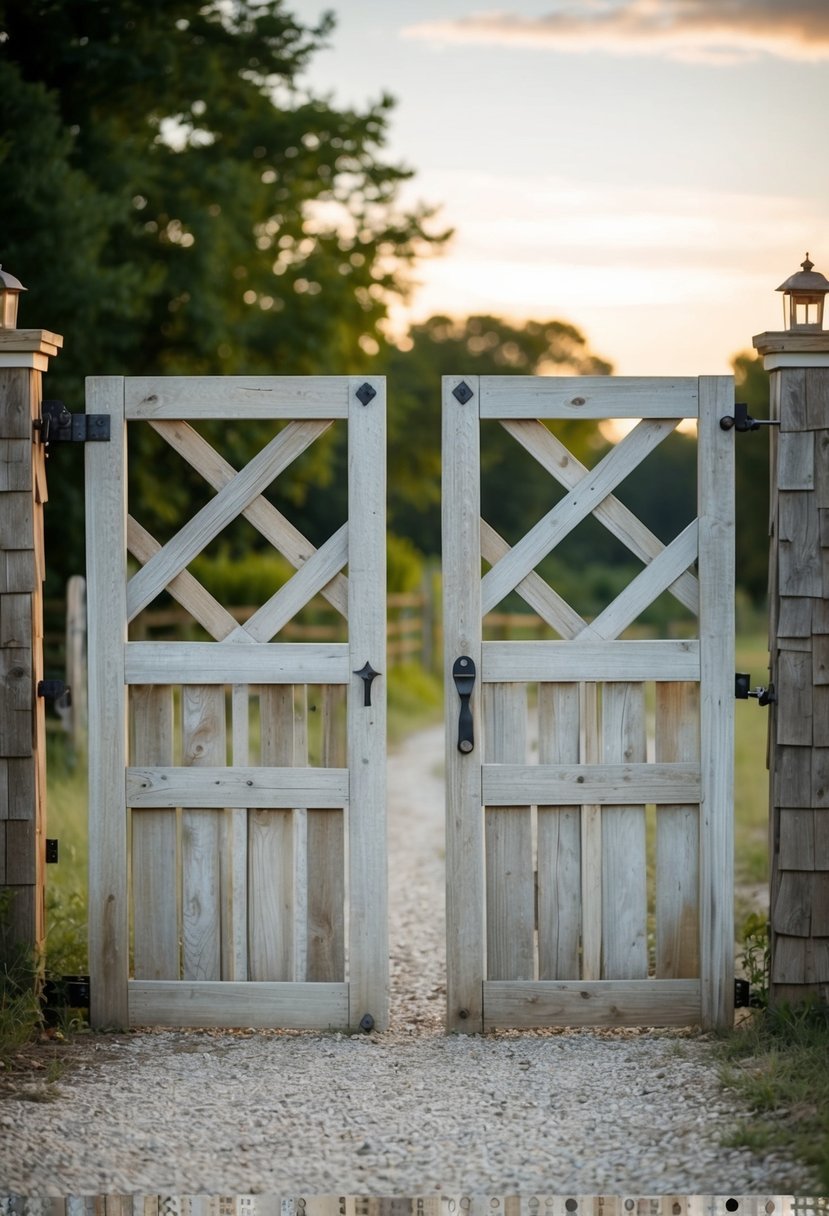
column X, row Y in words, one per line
column 176, row 201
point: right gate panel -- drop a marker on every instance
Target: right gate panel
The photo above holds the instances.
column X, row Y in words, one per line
column 589, row 827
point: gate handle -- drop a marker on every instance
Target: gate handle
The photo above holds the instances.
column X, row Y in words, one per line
column 463, row 673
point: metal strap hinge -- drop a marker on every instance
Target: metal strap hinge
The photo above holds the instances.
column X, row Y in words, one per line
column 58, row 425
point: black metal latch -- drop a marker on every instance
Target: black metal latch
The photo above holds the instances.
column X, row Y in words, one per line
column 463, row 673
column 743, row 421
column 58, row 425
column 57, row 691
column 743, row 689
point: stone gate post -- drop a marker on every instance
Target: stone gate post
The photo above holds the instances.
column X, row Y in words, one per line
column 798, row 360
column 24, row 356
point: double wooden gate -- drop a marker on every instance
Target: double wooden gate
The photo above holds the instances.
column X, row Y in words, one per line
column 550, row 863
column 251, row 889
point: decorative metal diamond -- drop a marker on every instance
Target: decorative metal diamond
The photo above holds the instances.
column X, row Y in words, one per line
column 366, row 393
column 462, row 392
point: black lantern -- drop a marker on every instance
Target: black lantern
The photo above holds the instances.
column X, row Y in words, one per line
column 803, row 297
column 10, row 289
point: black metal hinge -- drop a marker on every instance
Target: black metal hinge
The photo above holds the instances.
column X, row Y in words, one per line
column 58, row 425
column 57, row 691
column 51, row 851
column 65, row 992
column 743, row 689
column 742, row 994
column 743, row 421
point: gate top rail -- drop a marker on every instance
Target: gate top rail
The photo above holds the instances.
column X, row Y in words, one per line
column 290, row 397
column 589, row 396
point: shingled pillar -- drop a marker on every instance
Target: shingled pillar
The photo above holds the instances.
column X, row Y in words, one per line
column 799, row 648
column 24, row 356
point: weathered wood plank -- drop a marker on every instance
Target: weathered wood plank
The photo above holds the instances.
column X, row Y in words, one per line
column 262, row 1005
column 677, row 839
column 821, row 851
column 791, row 393
column 794, row 691
column 270, row 522
column 799, row 564
column 368, row 961
column 556, row 662
column 221, row 663
column 792, row 777
column 715, row 481
column 624, row 862
column 16, row 465
column 602, row 784
column 533, row 1004
column 106, row 604
column 796, row 460
column 203, row 747
column 573, row 508
column 269, row 397
column 220, row 787
column 591, row 840
column 154, row 844
column 508, row 845
column 17, row 700
column 588, row 397
column 817, row 397
column 17, row 521
column 560, row 463
column 797, row 839
column 234, row 849
column 229, row 502
column 465, row 885
column 21, row 788
column 819, row 778
column 271, row 850
column 820, row 660
column 325, row 857
column 795, row 617
column 559, row 840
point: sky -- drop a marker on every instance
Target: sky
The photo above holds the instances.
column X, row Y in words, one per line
column 648, row 170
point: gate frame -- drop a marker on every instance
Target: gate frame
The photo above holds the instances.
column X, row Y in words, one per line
column 581, row 397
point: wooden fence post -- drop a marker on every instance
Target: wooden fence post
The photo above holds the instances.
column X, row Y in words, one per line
column 799, row 647
column 24, row 356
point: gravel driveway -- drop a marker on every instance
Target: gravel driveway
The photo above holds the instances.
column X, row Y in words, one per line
column 407, row 1112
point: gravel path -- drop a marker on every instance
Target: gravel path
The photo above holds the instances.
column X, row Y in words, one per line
column 406, row 1112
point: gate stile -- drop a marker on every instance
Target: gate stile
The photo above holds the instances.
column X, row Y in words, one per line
column 547, row 915
column 252, row 894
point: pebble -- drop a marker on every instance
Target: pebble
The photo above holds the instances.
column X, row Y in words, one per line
column 406, row 1112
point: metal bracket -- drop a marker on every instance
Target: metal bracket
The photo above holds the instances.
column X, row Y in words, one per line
column 462, row 392
column 365, row 393
column 743, row 421
column 57, row 425
column 65, row 992
column 367, row 674
column 57, row 691
column 742, row 994
column 51, row 851
column 743, row 689
column 463, row 673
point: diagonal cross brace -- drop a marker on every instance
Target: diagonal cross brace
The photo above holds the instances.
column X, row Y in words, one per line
column 591, row 490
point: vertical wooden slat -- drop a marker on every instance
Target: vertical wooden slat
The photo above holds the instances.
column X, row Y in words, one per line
column 677, row 839
column 624, row 860
column 510, row 894
column 559, row 841
column 234, row 850
column 368, row 950
column 716, row 576
column 300, row 826
column 154, row 848
column 271, row 850
column 106, row 603
column 326, row 857
column 462, row 636
column 203, row 743
column 591, row 843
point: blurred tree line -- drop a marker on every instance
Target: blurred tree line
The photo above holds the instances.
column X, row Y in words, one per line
column 177, row 201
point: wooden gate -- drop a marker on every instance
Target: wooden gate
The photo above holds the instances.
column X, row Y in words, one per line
column 563, row 906
column 236, row 880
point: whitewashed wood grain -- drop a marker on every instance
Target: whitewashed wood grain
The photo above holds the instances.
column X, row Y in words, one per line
column 624, row 860
column 106, row 512
column 602, row 660
column 215, row 515
column 237, row 397
column 588, row 397
column 203, row 746
column 270, row 522
column 220, row 787
column 262, row 1005
column 325, row 859
column 234, row 850
column 508, row 845
column 368, row 951
column 465, row 885
column 603, row 784
column 559, row 840
column 716, row 576
column 677, row 839
column 538, row 1003
column 573, row 508
column 591, row 839
column 271, row 850
column 553, row 456
column 218, row 663
column 154, row 844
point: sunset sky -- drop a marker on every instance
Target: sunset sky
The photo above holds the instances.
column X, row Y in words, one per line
column 650, row 170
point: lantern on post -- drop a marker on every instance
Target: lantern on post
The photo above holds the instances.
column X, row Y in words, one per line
column 803, row 297
column 10, row 289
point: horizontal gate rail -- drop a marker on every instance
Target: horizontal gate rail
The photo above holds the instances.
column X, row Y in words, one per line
column 290, row 397
column 252, row 1004
column 528, row 1004
column 561, row 661
column 589, row 397
column 236, row 663
column 275, row 788
column 593, row 784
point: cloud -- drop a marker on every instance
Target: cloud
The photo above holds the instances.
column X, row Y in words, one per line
column 721, row 32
